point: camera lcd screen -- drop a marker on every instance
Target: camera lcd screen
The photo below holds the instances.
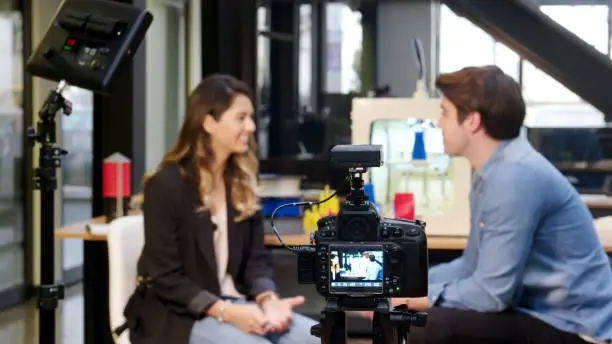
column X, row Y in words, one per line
column 356, row 269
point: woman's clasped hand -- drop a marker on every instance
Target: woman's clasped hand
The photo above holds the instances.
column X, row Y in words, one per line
column 247, row 317
column 279, row 312
column 273, row 316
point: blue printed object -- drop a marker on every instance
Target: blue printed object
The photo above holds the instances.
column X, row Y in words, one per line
column 418, row 150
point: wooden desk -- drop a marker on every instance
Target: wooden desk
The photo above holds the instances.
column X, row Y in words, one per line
column 603, row 166
column 79, row 231
column 434, row 242
column 597, row 201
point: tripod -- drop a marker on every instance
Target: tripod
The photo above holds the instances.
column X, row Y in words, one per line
column 389, row 326
column 48, row 292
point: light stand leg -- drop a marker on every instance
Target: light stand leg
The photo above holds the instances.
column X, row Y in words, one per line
column 48, row 293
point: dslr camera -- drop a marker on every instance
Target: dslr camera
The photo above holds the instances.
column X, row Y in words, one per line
column 359, row 255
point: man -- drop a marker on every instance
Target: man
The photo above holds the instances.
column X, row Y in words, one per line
column 534, row 270
column 373, row 269
column 361, row 264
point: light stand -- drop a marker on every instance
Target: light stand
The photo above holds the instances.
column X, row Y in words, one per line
column 48, row 292
column 86, row 43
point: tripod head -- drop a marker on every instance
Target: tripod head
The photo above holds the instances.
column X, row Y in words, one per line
column 50, row 154
column 54, row 103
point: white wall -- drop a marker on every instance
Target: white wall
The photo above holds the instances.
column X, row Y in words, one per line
column 165, row 91
column 156, row 43
column 399, row 23
column 194, row 46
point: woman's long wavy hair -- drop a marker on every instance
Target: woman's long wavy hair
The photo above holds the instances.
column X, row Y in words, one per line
column 193, row 154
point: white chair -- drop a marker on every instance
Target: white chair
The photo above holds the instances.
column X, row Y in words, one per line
column 125, row 242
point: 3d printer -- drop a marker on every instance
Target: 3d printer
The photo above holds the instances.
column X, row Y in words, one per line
column 415, row 161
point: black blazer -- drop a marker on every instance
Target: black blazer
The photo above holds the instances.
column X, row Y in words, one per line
column 179, row 258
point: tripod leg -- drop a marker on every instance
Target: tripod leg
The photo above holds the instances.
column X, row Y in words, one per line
column 333, row 328
column 402, row 335
column 384, row 331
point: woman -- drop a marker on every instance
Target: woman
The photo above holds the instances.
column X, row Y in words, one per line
column 204, row 255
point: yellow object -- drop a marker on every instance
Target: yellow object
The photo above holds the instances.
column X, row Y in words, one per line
column 330, row 207
column 309, row 220
column 323, row 206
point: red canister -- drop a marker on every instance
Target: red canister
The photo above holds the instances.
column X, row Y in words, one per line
column 116, row 185
column 403, row 205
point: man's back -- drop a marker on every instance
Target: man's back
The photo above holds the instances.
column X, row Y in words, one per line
column 533, row 270
column 532, row 246
column 372, row 270
column 567, row 280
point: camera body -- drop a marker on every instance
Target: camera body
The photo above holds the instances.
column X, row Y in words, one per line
column 360, row 254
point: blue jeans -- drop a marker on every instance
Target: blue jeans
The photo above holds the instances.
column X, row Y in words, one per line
column 210, row 331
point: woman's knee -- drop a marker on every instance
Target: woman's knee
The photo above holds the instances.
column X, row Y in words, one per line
column 299, row 332
column 210, row 331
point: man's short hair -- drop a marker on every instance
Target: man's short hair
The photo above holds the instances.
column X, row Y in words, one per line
column 487, row 90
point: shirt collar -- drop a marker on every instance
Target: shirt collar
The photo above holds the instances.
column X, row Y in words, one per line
column 495, row 157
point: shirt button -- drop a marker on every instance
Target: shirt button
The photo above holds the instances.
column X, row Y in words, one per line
column 480, row 224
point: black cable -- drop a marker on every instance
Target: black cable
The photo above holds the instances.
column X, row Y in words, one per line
column 297, row 249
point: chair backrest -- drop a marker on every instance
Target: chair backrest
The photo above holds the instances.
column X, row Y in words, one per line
column 125, row 243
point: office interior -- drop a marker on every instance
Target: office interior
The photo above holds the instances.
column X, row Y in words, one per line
column 313, row 66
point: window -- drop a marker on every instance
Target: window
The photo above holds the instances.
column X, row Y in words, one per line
column 590, row 23
column 263, row 81
column 462, row 43
column 263, row 56
column 344, row 37
column 506, row 59
column 11, row 148
column 305, row 59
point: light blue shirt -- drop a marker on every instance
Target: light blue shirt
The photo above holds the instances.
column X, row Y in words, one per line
column 372, row 270
column 532, row 245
